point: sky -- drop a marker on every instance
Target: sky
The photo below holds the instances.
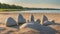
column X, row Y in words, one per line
column 34, row 3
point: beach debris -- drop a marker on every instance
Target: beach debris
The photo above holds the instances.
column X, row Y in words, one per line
column 21, row 19
column 11, row 22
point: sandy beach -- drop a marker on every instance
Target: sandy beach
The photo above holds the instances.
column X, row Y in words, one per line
column 11, row 30
column 29, row 16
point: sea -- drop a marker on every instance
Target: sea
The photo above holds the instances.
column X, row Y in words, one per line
column 43, row 11
column 33, row 11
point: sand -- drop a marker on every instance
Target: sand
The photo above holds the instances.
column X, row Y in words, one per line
column 27, row 16
column 7, row 30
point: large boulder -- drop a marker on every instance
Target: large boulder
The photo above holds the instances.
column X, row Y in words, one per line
column 30, row 25
column 21, row 19
column 31, row 19
column 47, row 22
column 38, row 27
column 44, row 18
column 11, row 22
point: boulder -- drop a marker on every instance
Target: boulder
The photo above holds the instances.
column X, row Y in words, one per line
column 44, row 18
column 21, row 19
column 46, row 22
column 38, row 27
column 30, row 25
column 11, row 22
column 32, row 19
column 38, row 21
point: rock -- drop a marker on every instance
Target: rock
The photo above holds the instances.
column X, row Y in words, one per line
column 38, row 21
column 38, row 27
column 53, row 21
column 33, row 25
column 46, row 23
column 11, row 22
column 30, row 25
column 32, row 19
column 44, row 18
column 21, row 19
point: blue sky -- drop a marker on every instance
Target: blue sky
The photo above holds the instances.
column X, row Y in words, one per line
column 34, row 3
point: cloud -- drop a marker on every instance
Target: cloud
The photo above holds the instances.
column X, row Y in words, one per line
column 38, row 5
column 34, row 3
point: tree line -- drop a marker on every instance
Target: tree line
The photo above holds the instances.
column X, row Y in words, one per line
column 7, row 6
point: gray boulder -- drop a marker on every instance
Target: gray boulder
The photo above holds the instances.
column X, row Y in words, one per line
column 32, row 19
column 46, row 22
column 42, row 29
column 44, row 18
column 21, row 19
column 11, row 22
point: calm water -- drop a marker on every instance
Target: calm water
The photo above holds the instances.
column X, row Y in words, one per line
column 34, row 11
column 43, row 11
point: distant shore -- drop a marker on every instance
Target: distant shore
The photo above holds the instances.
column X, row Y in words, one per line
column 27, row 9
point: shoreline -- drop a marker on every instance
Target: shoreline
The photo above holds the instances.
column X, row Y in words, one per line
column 28, row 12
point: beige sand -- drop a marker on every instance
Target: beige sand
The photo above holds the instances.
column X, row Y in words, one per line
column 10, row 30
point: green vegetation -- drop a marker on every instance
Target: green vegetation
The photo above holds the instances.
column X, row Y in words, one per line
column 9, row 7
column 41, row 8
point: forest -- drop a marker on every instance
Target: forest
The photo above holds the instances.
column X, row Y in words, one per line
column 7, row 6
column 4, row 6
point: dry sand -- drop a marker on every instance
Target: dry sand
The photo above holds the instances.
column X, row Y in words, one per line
column 7, row 30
